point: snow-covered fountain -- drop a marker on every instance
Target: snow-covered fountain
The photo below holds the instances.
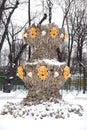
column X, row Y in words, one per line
column 44, row 75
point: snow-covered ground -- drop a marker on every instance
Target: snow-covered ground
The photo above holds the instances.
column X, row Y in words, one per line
column 67, row 114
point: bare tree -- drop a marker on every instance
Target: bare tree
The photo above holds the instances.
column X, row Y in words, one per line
column 49, row 6
column 77, row 33
column 81, row 39
column 16, row 49
column 2, row 7
column 29, row 21
column 66, row 6
column 6, row 17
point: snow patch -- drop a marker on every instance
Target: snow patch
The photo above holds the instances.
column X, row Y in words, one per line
column 47, row 61
column 53, row 109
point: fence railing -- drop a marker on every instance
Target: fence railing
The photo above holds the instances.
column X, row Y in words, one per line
column 75, row 82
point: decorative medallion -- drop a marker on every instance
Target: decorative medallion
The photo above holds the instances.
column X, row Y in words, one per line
column 24, row 36
column 42, row 72
column 33, row 32
column 56, row 74
column 29, row 74
column 21, row 72
column 66, row 72
column 53, row 32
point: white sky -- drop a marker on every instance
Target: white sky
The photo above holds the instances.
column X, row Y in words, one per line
column 20, row 16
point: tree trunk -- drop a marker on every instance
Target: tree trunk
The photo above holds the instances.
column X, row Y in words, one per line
column 29, row 20
column 84, row 80
column 2, row 7
column 11, row 72
column 6, row 26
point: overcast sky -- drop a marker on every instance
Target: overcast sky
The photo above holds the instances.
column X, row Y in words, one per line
column 20, row 16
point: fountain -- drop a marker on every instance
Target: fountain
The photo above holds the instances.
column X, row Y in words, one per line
column 43, row 75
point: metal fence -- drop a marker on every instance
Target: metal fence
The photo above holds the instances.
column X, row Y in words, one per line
column 75, row 82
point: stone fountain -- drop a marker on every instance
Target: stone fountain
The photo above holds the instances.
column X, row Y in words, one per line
column 43, row 75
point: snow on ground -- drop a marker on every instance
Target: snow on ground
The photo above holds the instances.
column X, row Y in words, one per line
column 42, row 116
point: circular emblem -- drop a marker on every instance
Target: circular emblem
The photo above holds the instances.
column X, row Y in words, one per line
column 33, row 32
column 42, row 72
column 24, row 36
column 21, row 72
column 53, row 32
column 66, row 72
